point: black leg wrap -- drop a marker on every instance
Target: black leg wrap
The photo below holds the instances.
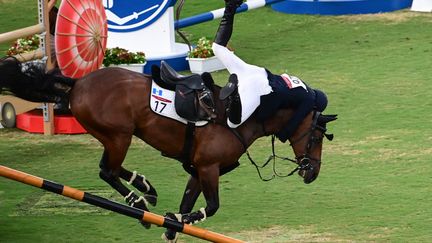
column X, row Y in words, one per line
column 138, row 202
column 195, row 217
column 151, row 197
column 189, row 218
column 171, row 234
column 131, row 198
column 142, row 184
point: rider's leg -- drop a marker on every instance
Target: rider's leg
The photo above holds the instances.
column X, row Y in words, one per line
column 231, row 62
column 226, row 25
column 223, row 35
column 244, row 71
column 234, row 108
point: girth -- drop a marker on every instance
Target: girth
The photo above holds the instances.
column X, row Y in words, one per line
column 186, row 154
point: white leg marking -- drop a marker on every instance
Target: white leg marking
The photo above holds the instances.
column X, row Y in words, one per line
column 133, row 177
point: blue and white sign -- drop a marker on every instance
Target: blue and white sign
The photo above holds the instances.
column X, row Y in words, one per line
column 132, row 15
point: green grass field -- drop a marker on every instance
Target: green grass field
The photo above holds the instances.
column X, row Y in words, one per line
column 374, row 184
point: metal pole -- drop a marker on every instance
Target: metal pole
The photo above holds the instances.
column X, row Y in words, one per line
column 114, row 206
column 48, row 108
column 13, row 35
column 218, row 13
column 28, row 56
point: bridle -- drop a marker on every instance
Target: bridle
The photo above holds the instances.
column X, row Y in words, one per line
column 303, row 161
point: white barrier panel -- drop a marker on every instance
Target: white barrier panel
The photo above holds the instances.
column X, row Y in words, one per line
column 157, row 38
column 422, row 5
column 147, row 26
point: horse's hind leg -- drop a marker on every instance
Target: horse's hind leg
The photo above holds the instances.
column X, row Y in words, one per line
column 140, row 183
column 110, row 164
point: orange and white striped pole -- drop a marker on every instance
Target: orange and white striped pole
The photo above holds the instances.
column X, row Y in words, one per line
column 114, row 206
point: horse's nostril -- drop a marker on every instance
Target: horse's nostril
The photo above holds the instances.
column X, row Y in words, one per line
column 302, row 173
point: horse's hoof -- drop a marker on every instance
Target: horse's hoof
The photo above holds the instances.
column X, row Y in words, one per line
column 145, row 224
column 151, row 199
column 169, row 237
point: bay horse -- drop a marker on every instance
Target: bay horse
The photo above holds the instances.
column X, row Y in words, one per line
column 113, row 105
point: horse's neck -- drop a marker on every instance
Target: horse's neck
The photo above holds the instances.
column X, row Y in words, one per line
column 252, row 129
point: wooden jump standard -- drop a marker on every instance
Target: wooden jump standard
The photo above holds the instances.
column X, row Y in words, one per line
column 114, row 206
column 43, row 27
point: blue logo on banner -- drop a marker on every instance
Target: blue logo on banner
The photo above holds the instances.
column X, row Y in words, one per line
column 131, row 15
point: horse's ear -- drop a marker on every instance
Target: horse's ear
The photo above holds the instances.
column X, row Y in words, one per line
column 326, row 118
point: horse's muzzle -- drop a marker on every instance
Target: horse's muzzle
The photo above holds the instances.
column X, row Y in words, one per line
column 309, row 169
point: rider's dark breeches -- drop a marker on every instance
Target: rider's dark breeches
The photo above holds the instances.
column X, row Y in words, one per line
column 299, row 99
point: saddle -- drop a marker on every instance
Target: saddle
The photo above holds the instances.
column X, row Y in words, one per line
column 193, row 94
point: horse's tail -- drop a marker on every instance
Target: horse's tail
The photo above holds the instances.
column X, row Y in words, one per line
column 29, row 81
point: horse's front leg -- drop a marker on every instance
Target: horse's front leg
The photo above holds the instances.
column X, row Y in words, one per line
column 140, row 183
column 208, row 177
column 190, row 196
column 209, row 180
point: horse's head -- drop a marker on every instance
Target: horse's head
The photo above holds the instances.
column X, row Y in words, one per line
column 307, row 144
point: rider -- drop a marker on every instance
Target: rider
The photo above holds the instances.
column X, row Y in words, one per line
column 250, row 87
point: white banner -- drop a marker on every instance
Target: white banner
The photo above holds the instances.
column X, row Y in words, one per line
column 422, row 5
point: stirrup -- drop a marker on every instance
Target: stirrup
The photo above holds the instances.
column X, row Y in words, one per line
column 229, row 88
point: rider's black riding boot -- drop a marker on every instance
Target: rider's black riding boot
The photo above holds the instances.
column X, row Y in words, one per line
column 234, row 109
column 230, row 91
column 226, row 25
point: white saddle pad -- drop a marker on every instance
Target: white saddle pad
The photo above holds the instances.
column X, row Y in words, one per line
column 162, row 103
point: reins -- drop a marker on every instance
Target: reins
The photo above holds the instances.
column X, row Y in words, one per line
column 303, row 161
column 273, row 158
column 177, row 17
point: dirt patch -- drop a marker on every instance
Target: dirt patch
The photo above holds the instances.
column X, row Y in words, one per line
column 392, row 17
column 279, row 234
column 46, row 204
column 342, row 149
column 425, row 151
column 390, row 154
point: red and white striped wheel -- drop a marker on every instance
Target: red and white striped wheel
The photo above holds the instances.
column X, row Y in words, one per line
column 80, row 37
